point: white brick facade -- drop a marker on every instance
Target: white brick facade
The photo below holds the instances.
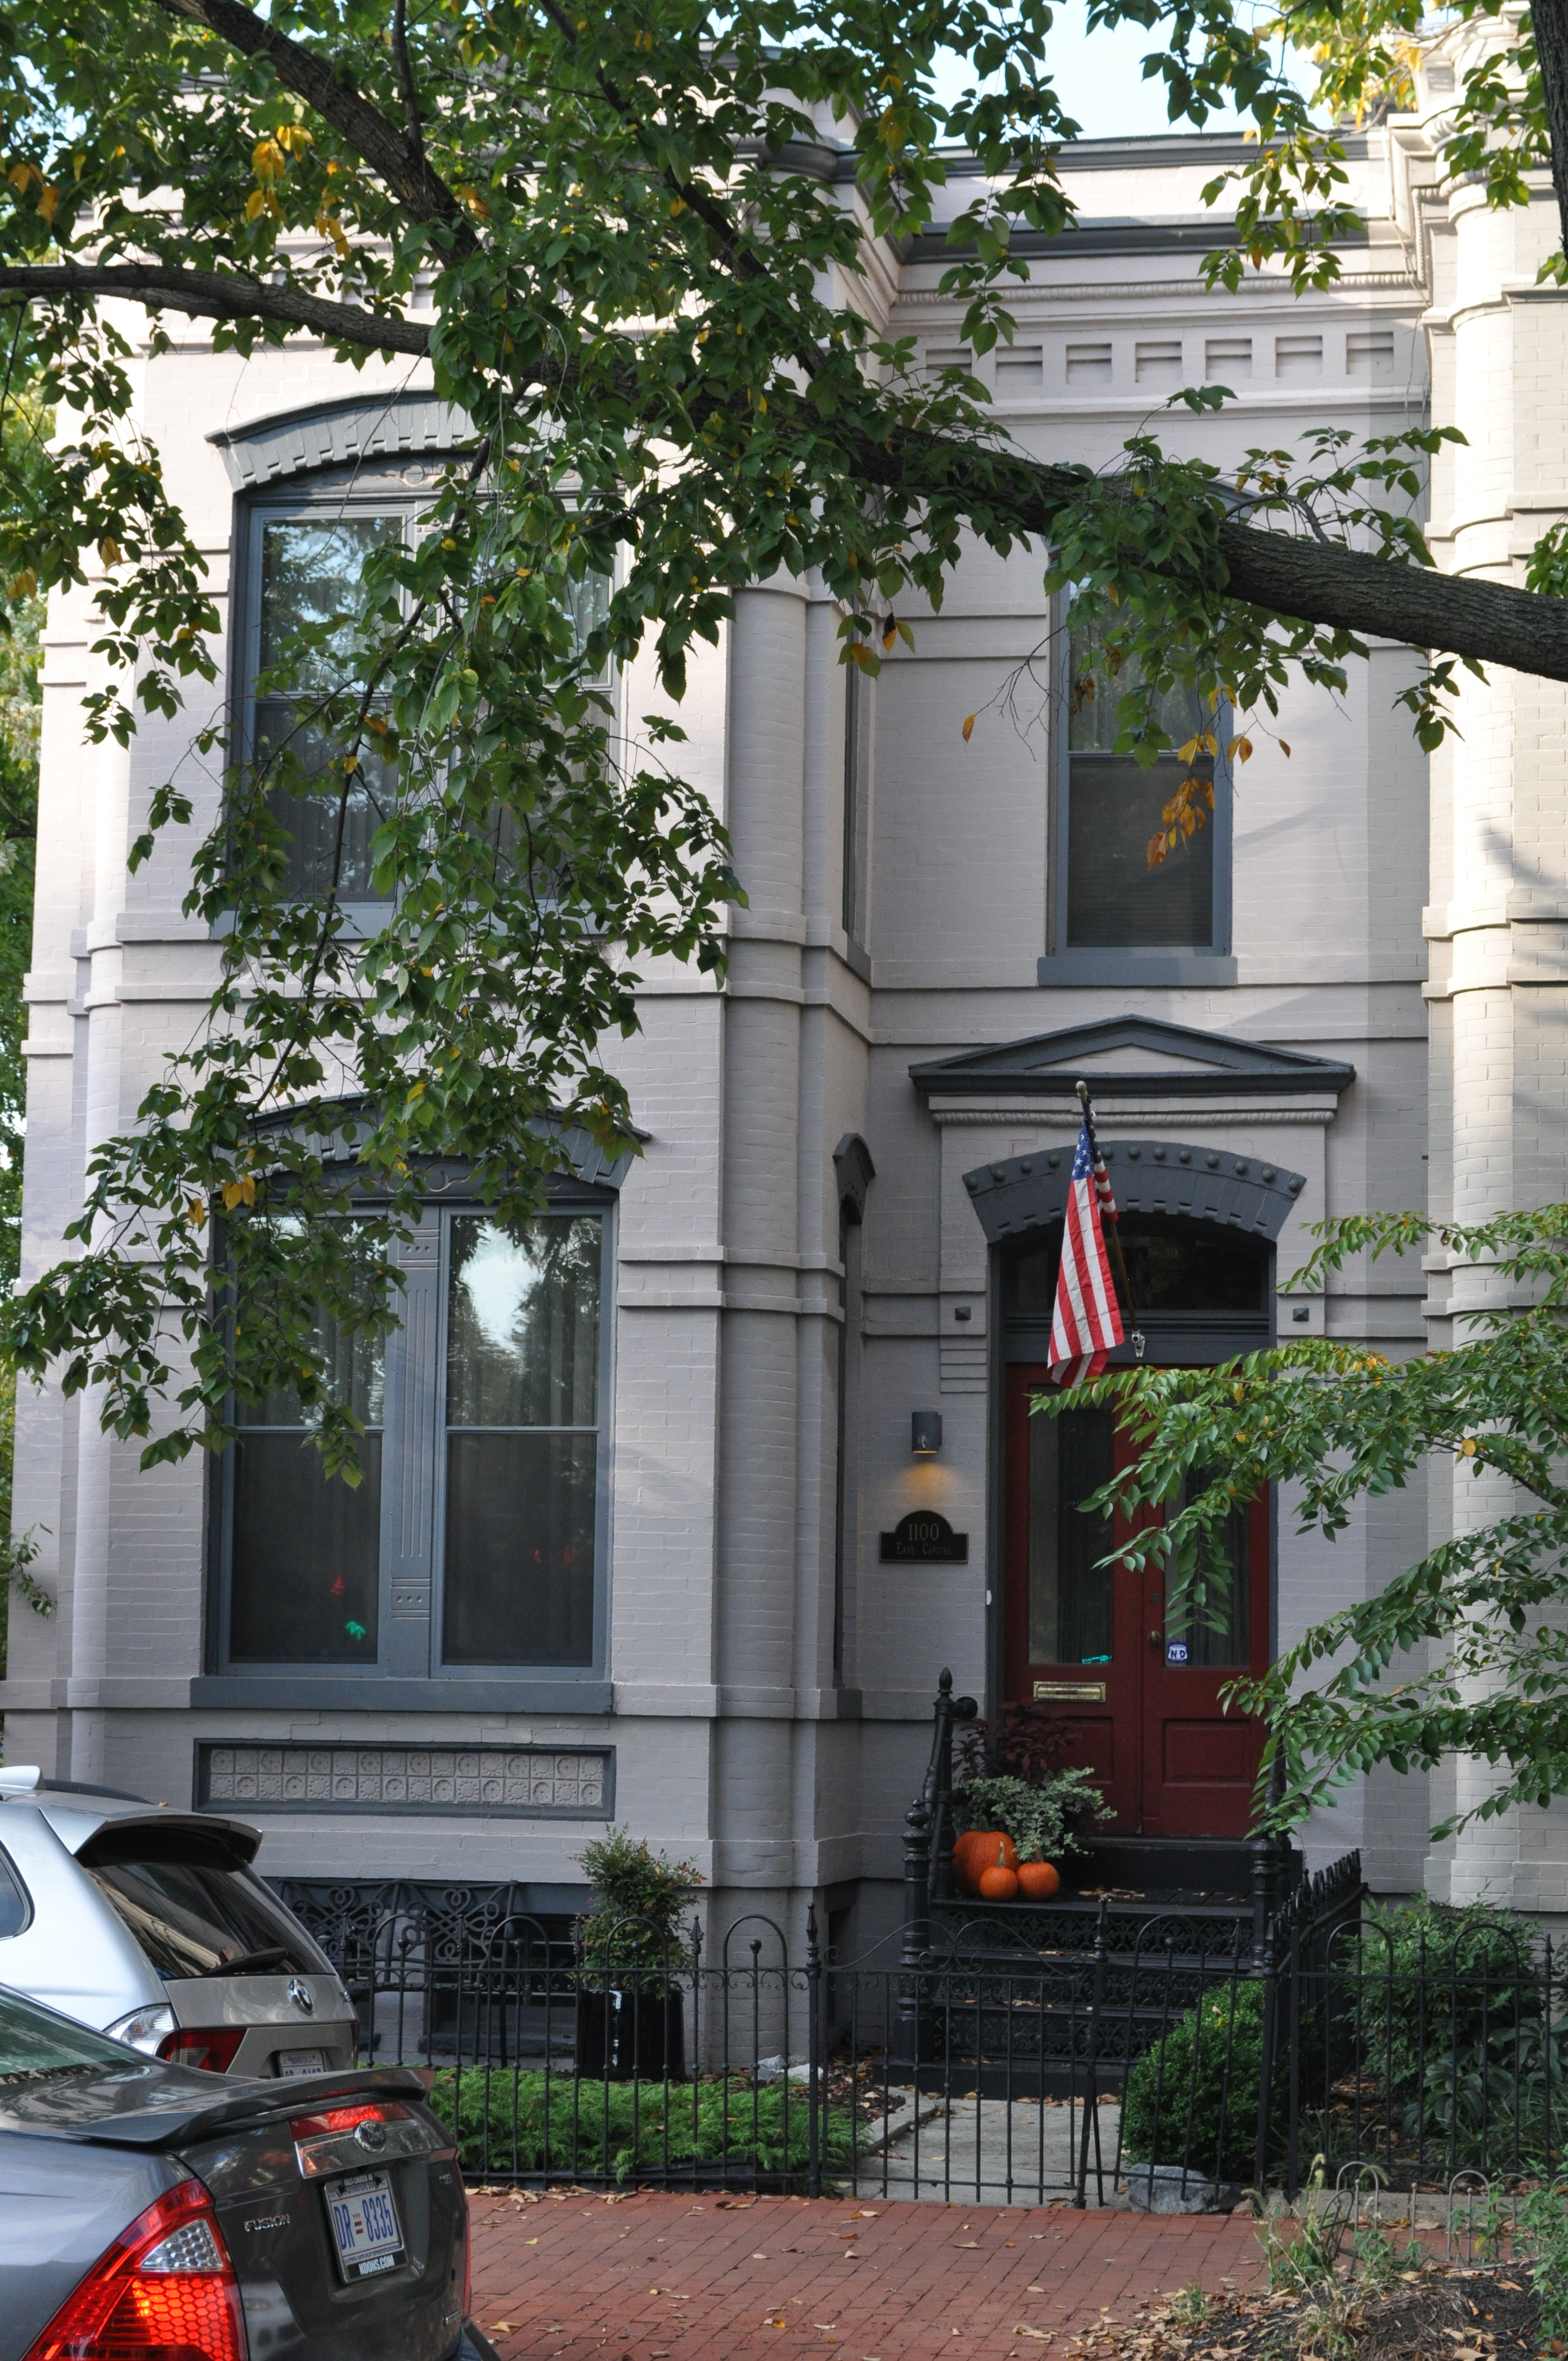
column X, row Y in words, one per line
column 735, row 1741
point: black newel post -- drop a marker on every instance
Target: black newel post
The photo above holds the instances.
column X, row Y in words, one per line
column 815, row 2096
column 916, row 1927
column 1265, row 1964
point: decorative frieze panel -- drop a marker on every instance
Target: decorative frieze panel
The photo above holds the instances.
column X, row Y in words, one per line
column 537, row 1783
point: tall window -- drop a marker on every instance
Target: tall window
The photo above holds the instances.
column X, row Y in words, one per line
column 474, row 1537
column 304, row 557
column 305, row 595
column 306, row 1557
column 522, row 1376
column 1107, row 896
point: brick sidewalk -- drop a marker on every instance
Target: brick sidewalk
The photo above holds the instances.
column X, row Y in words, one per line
column 654, row 2277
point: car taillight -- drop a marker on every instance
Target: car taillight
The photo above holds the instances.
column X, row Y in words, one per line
column 165, row 2291
column 214, row 2047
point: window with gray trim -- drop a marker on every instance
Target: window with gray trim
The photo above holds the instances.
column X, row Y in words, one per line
column 303, row 550
column 305, row 558
column 474, row 1536
column 1108, row 808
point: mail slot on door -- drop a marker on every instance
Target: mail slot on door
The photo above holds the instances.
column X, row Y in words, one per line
column 1069, row 1692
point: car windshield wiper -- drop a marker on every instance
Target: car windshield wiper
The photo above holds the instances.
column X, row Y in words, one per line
column 249, row 1964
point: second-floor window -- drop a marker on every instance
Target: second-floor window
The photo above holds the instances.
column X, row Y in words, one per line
column 301, row 564
column 307, row 563
column 1109, row 807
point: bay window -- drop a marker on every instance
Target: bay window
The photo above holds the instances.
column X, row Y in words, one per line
column 475, row 1535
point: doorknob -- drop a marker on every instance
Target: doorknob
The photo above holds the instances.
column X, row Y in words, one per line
column 1155, row 1639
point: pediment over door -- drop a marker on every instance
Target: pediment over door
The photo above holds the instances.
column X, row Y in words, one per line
column 1131, row 1057
column 1205, row 1125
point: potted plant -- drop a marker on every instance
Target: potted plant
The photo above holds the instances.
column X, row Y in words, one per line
column 630, row 2012
column 1040, row 1819
column 1015, row 1803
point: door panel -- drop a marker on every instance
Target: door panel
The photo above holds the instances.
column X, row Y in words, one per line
column 1139, row 1692
column 1199, row 1763
column 1072, row 1628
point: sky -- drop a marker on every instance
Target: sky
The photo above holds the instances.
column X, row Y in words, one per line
column 1101, row 79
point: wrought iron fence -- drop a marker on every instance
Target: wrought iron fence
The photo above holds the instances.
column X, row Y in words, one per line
column 1142, row 2061
column 1073, row 2053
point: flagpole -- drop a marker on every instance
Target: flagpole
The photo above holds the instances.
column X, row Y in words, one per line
column 1135, row 1333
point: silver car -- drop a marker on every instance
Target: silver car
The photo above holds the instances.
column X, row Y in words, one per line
column 150, row 1924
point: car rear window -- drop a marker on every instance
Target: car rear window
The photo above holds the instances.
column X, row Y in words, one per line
column 16, row 1909
column 196, row 1921
column 35, row 2041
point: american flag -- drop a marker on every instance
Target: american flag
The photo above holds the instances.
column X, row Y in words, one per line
column 1087, row 1323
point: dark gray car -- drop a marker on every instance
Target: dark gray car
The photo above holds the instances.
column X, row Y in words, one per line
column 150, row 2210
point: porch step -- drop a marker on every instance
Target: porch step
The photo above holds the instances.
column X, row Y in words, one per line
column 1160, row 1869
column 1192, row 1895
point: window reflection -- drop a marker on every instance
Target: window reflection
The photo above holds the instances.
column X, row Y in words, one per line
column 1069, row 1594
column 1113, row 897
column 311, row 575
column 523, row 1442
column 305, row 1571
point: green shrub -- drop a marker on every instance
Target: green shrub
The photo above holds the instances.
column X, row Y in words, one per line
column 1434, row 1977
column 509, row 2122
column 1188, row 2068
column 639, row 1895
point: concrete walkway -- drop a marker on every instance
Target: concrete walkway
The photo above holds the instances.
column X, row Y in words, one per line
column 994, row 2153
column 654, row 2277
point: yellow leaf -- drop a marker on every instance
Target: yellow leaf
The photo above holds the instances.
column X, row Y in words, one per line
column 1468, row 1447
column 49, row 201
column 255, row 205
column 1185, row 753
column 351, row 762
column 968, row 729
column 23, row 585
column 1284, row 750
column 1242, row 746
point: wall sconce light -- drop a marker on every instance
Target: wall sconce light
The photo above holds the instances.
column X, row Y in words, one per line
column 924, row 1431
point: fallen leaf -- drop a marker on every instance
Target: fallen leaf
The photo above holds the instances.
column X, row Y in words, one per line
column 1022, row 2329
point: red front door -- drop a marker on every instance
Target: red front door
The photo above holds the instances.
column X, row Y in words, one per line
column 1138, row 1688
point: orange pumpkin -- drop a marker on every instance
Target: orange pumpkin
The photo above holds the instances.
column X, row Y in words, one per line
column 1039, row 1880
column 981, row 1849
column 999, row 1883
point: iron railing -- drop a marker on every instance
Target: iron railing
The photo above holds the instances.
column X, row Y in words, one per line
column 980, row 2072
column 988, row 2055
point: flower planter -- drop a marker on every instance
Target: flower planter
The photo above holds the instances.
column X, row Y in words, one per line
column 629, row 2035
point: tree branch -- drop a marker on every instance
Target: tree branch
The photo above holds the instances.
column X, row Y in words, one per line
column 1318, row 582
column 421, row 191
column 1548, row 19
column 1314, row 581
column 211, row 295
column 406, row 80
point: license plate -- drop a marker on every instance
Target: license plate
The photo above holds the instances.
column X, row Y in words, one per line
column 301, row 2061
column 364, row 2224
